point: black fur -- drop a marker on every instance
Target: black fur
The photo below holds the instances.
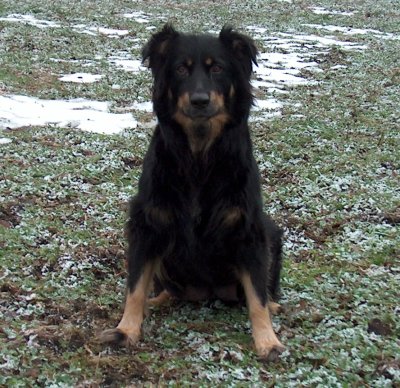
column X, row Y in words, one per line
column 199, row 211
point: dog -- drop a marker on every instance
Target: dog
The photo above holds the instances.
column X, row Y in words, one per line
column 196, row 227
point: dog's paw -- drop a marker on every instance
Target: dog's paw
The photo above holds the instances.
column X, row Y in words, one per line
column 269, row 352
column 275, row 308
column 119, row 337
column 163, row 298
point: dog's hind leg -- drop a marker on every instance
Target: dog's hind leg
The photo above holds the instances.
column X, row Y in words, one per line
column 267, row 344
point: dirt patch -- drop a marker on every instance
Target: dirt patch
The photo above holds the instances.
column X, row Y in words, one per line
column 379, row 327
column 9, row 217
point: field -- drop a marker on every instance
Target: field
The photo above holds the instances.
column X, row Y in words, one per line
column 75, row 121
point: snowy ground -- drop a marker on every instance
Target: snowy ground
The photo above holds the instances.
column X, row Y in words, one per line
column 75, row 120
column 276, row 70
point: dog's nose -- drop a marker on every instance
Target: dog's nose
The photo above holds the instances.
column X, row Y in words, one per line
column 200, row 100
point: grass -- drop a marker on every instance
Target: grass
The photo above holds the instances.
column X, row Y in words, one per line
column 330, row 167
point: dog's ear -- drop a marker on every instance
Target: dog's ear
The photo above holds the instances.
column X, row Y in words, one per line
column 157, row 47
column 242, row 46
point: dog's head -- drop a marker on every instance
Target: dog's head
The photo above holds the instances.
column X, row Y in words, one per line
column 201, row 81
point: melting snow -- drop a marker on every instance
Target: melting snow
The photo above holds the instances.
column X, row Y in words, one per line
column 83, row 29
column 139, row 17
column 277, row 70
column 93, row 116
column 146, row 106
column 5, row 140
column 80, row 28
column 81, row 78
column 125, row 61
column 290, row 55
column 354, row 31
column 30, row 20
column 310, row 42
column 324, row 11
column 269, row 104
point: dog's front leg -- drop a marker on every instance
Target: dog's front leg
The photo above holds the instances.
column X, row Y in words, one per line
column 128, row 330
column 266, row 342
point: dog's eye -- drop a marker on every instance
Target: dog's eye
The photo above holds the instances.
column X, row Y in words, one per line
column 182, row 70
column 215, row 69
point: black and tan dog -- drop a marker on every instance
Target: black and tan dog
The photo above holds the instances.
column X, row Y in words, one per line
column 197, row 228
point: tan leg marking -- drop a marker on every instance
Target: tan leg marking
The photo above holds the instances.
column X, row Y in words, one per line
column 128, row 330
column 267, row 344
column 132, row 319
column 160, row 299
column 274, row 308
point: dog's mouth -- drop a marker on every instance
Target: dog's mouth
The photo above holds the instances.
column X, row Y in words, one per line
column 200, row 115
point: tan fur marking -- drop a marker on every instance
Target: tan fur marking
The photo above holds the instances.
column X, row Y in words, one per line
column 183, row 101
column 135, row 303
column 189, row 62
column 209, row 61
column 215, row 123
column 179, row 116
column 232, row 216
column 160, row 299
column 184, row 121
column 264, row 336
column 217, row 100
column 274, row 308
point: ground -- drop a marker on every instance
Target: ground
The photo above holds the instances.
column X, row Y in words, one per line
column 75, row 121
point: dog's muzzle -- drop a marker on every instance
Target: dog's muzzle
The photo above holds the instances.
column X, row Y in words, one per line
column 200, row 106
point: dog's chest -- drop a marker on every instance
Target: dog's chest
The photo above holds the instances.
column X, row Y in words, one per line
column 196, row 205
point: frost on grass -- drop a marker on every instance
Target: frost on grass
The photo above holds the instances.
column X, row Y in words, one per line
column 327, row 178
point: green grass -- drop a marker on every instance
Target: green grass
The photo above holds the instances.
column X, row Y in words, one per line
column 330, row 168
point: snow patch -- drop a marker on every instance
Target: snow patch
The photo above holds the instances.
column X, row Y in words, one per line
column 29, row 20
column 93, row 116
column 284, row 65
column 146, row 106
column 5, row 140
column 80, row 28
column 81, row 78
column 354, row 31
column 83, row 29
column 270, row 104
column 138, row 17
column 125, row 61
column 324, row 11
